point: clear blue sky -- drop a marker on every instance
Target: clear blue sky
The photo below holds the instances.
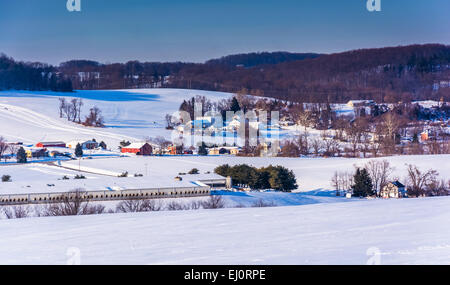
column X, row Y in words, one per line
column 197, row 30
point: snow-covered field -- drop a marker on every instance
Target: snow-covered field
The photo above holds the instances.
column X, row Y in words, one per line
column 312, row 226
column 31, row 117
column 313, row 174
column 406, row 231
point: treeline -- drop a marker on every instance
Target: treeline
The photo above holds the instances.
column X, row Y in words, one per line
column 272, row 177
column 260, row 58
column 31, row 76
column 386, row 75
column 87, row 74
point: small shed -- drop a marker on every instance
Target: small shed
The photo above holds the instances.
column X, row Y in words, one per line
column 393, row 190
column 138, row 149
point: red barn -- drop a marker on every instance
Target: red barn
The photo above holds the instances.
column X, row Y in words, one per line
column 138, row 149
column 50, row 144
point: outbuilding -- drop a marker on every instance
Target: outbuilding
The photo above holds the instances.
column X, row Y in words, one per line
column 84, row 144
column 138, row 149
column 50, row 144
column 393, row 190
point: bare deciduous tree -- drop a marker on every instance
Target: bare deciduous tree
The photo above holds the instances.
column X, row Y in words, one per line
column 136, row 205
column 16, row 212
column 303, row 143
column 214, row 202
column 419, row 180
column 380, row 172
column 316, row 145
column 342, row 181
column 3, row 147
column 71, row 204
column 304, row 119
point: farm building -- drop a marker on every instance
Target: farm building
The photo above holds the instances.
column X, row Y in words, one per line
column 360, row 103
column 36, row 153
column 393, row 190
column 138, row 149
column 223, row 150
column 173, row 150
column 202, row 122
column 50, row 144
column 84, row 144
column 214, row 151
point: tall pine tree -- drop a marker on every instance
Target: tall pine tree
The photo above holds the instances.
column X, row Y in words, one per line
column 78, row 151
column 202, row 150
column 363, row 186
column 235, row 105
column 21, row 156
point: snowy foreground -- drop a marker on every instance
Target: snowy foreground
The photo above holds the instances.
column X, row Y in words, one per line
column 407, row 231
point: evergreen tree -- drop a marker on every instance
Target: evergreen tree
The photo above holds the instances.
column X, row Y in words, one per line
column 78, row 151
column 224, row 170
column 103, row 145
column 272, row 177
column 21, row 156
column 363, row 186
column 235, row 105
column 202, row 149
column 282, row 179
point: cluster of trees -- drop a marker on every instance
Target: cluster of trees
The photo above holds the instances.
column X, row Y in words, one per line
column 367, row 181
column 94, row 118
column 86, row 74
column 4, row 147
column 272, row 177
column 370, row 179
column 376, row 134
column 72, row 111
column 31, row 76
column 12, row 149
column 426, row 183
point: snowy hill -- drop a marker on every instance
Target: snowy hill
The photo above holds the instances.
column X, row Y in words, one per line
column 129, row 114
column 407, row 231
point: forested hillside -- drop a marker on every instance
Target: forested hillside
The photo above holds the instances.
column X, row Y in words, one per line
column 31, row 76
column 386, row 74
column 392, row 74
column 263, row 58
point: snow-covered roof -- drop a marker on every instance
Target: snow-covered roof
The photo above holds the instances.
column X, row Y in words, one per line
column 52, row 143
column 136, row 145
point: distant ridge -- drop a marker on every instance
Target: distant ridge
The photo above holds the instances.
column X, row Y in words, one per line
column 391, row 74
column 260, row 58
